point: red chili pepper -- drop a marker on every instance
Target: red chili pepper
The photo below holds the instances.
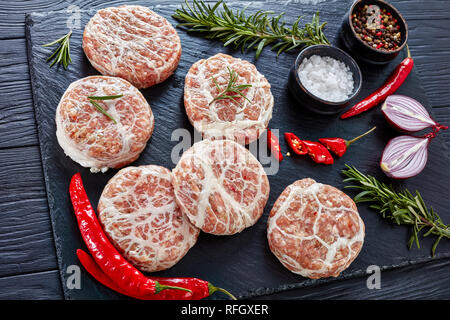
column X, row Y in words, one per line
column 119, row 270
column 295, row 143
column 318, row 152
column 394, row 82
column 338, row 145
column 274, row 145
column 200, row 288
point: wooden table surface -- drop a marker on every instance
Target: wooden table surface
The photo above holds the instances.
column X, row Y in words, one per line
column 28, row 263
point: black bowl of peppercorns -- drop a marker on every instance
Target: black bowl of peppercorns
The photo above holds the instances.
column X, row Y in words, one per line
column 374, row 31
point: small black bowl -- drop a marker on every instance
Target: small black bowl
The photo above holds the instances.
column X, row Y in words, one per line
column 359, row 48
column 310, row 101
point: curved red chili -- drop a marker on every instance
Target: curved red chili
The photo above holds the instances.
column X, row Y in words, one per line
column 318, row 152
column 175, row 288
column 394, row 82
column 295, row 143
column 200, row 288
column 119, row 270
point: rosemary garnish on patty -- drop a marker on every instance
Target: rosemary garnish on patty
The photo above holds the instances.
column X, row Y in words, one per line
column 254, row 31
column 402, row 207
column 93, row 99
column 232, row 91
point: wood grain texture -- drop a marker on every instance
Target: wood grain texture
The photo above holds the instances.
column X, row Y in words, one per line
column 33, row 286
column 427, row 19
column 17, row 122
column 26, row 242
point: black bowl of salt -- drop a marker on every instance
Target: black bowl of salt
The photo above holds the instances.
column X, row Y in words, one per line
column 324, row 79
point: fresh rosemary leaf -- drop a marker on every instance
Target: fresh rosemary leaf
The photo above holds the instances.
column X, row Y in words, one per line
column 99, row 108
column 232, row 91
column 402, row 207
column 105, row 97
column 254, row 31
column 61, row 55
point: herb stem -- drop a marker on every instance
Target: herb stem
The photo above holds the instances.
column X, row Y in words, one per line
column 402, row 207
column 61, row 55
column 232, row 91
column 254, row 31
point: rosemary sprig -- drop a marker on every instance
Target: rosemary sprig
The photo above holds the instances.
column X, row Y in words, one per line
column 254, row 31
column 105, row 97
column 93, row 99
column 232, row 91
column 62, row 54
column 402, row 207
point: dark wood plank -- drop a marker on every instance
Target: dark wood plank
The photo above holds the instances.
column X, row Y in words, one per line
column 17, row 122
column 34, row 286
column 26, row 241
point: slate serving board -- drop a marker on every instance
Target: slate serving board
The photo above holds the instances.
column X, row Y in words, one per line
column 241, row 263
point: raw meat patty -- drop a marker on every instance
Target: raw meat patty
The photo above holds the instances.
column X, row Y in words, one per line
column 139, row 214
column 241, row 121
column 91, row 138
column 134, row 43
column 220, row 186
column 315, row 229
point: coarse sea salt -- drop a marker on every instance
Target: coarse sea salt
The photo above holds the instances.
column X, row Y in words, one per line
column 326, row 78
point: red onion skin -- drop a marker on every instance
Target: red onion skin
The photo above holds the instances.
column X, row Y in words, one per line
column 396, row 126
column 390, row 175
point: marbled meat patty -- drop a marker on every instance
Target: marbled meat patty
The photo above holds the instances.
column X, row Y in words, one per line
column 220, row 186
column 139, row 214
column 91, row 138
column 134, row 43
column 240, row 120
column 315, row 229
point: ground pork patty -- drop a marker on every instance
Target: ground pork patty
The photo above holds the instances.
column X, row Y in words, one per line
column 220, row 186
column 241, row 121
column 134, row 43
column 139, row 214
column 315, row 229
column 91, row 138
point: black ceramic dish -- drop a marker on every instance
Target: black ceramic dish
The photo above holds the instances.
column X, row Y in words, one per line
column 310, row 101
column 360, row 49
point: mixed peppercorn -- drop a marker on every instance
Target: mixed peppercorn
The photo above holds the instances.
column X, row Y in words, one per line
column 377, row 27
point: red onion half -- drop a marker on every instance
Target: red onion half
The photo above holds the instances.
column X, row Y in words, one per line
column 405, row 156
column 406, row 114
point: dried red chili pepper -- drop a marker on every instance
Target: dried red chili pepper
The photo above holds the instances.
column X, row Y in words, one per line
column 394, row 82
column 200, row 288
column 274, row 145
column 119, row 270
column 318, row 152
column 338, row 145
column 295, row 143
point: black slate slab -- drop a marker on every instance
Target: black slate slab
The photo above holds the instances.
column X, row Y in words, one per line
column 243, row 262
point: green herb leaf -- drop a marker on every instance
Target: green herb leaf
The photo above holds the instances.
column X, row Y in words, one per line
column 254, row 31
column 61, row 55
column 105, row 97
column 100, row 108
column 401, row 207
column 232, row 91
